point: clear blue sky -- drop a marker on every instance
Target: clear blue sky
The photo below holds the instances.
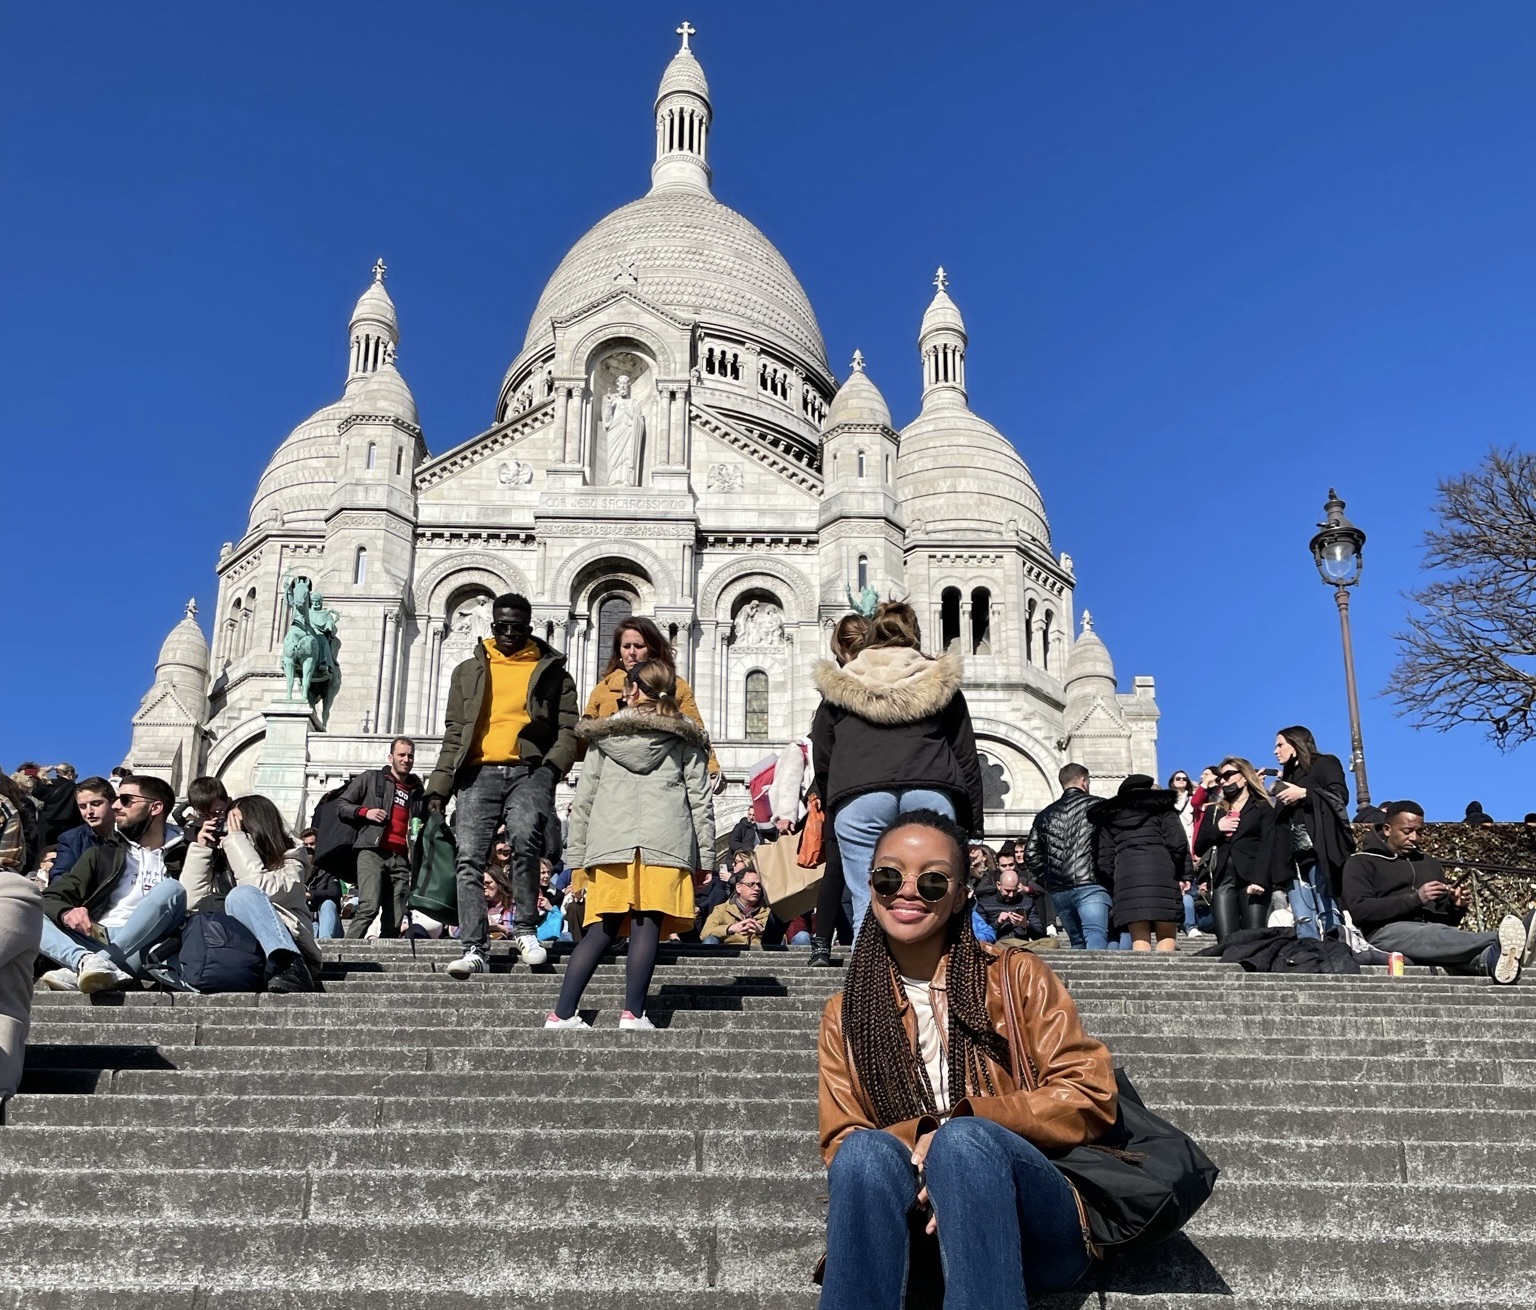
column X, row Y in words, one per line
column 1213, row 258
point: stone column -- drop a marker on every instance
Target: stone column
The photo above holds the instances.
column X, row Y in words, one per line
column 429, row 693
column 384, row 721
column 281, row 769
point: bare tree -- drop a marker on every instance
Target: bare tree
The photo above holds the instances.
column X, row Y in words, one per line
column 1469, row 655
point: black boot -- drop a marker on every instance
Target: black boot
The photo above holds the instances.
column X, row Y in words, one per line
column 287, row 972
column 821, row 954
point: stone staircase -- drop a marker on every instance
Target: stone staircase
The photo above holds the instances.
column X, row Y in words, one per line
column 408, row 1141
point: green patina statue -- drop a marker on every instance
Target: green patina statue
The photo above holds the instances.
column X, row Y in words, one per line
column 310, row 646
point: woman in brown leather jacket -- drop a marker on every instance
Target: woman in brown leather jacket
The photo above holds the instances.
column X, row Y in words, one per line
column 947, row 1069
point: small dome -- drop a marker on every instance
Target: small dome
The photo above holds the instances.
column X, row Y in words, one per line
column 959, row 476
column 375, row 306
column 941, row 313
column 684, row 73
column 382, row 393
column 296, row 486
column 858, row 400
column 1089, row 657
column 183, row 658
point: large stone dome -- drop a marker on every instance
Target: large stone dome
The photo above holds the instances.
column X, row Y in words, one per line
column 296, row 487
column 957, row 475
column 693, row 256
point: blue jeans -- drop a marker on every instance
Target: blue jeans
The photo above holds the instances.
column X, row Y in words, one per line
column 1196, row 918
column 1007, row 1220
column 859, row 823
column 159, row 914
column 328, row 920
column 1084, row 913
column 249, row 906
column 1311, row 897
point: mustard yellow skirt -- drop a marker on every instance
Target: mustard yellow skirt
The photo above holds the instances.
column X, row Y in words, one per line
column 655, row 888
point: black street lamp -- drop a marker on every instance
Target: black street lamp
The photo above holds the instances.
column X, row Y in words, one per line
column 1336, row 550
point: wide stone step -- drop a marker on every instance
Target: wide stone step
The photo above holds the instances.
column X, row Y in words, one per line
column 746, row 1195
column 638, row 1255
column 314, row 1112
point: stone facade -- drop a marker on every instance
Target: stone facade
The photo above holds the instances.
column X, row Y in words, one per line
column 670, row 441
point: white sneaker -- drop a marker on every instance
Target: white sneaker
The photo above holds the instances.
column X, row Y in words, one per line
column 530, row 949
column 1511, row 944
column 1194, row 934
column 575, row 1021
column 469, row 964
column 61, row 980
column 1528, row 956
column 635, row 1022
column 99, row 973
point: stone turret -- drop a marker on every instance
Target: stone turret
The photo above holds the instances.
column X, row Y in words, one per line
column 683, row 116
column 861, row 519
column 168, row 738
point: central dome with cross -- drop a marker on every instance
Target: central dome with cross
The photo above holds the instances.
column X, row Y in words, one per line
column 680, row 249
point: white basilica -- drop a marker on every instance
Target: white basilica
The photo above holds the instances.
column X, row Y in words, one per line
column 670, row 441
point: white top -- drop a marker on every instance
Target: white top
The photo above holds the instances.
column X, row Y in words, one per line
column 143, row 871
column 930, row 1038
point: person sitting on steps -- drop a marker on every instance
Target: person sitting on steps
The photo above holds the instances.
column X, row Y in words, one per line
column 1400, row 899
column 259, row 881
column 643, row 828
column 742, row 917
column 947, row 1069
column 120, row 899
column 509, row 736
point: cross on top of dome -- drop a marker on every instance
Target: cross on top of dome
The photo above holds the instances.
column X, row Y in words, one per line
column 941, row 279
column 687, row 30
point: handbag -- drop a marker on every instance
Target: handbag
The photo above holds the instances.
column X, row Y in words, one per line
column 790, row 888
column 809, row 854
column 434, row 877
column 1143, row 1180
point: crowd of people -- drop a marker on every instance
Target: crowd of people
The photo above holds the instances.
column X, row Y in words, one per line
column 121, row 868
column 952, row 1039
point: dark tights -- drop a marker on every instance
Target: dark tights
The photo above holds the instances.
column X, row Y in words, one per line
column 644, row 937
column 829, row 899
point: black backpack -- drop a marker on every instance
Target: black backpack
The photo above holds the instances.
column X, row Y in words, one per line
column 334, row 852
column 218, row 954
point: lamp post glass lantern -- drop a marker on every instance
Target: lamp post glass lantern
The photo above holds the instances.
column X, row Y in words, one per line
column 1338, row 551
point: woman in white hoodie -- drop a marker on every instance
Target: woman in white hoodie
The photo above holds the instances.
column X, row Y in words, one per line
column 892, row 734
column 642, row 824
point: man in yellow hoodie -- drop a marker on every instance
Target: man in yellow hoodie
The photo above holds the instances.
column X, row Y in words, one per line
column 509, row 735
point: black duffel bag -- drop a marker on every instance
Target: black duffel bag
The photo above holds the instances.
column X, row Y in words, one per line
column 1141, row 1181
column 218, row 954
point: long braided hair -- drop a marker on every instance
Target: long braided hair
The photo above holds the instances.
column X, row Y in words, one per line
column 895, row 1082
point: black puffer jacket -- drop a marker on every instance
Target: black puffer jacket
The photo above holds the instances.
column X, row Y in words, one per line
column 1141, row 853
column 893, row 718
column 1059, row 852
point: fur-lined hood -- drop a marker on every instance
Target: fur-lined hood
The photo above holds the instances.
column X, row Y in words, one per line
column 639, row 739
column 889, row 685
